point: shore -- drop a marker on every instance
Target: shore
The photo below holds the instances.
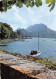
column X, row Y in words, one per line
column 6, row 40
column 10, row 40
column 33, row 69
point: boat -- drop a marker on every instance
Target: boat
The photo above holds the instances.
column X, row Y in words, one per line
column 19, row 39
column 44, row 40
column 35, row 53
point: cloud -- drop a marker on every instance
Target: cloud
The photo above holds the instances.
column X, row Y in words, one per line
column 17, row 16
column 24, row 17
column 0, row 13
column 14, row 26
column 30, row 11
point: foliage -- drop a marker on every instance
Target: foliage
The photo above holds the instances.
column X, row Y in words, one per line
column 7, row 4
column 49, row 62
column 51, row 3
column 6, row 31
column 18, row 33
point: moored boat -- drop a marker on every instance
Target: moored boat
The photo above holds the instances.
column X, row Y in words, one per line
column 3, row 44
column 35, row 53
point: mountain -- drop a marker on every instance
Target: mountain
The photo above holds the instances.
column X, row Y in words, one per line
column 23, row 32
column 33, row 30
column 43, row 30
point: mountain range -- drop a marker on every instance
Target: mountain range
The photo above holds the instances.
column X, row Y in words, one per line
column 43, row 30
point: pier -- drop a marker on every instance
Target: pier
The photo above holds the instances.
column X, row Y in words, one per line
column 3, row 45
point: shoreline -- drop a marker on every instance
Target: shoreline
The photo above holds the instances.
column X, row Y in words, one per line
column 36, row 69
column 7, row 40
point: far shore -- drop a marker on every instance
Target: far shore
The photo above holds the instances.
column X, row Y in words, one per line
column 18, row 39
column 6, row 40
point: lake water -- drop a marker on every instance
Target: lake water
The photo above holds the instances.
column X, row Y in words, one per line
column 47, row 46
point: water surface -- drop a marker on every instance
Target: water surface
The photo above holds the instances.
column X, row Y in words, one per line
column 47, row 46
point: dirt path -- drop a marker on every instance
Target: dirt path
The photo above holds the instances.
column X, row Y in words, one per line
column 36, row 70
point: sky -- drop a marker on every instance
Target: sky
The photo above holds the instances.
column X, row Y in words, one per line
column 25, row 17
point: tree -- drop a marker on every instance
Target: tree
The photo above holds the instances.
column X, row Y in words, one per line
column 6, row 31
column 7, row 4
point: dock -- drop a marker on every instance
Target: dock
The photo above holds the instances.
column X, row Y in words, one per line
column 3, row 44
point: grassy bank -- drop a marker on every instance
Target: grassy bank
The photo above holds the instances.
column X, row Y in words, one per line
column 49, row 62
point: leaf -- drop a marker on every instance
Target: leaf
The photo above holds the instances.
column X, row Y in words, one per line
column 51, row 4
column 32, row 4
column 28, row 3
column 48, row 1
column 19, row 4
column 38, row 3
column 9, row 7
column 25, row 1
column 52, row 7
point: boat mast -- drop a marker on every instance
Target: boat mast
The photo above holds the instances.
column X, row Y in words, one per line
column 38, row 41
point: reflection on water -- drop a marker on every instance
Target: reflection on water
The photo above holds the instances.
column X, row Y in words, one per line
column 47, row 46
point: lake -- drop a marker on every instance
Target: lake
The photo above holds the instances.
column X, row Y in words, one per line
column 47, row 46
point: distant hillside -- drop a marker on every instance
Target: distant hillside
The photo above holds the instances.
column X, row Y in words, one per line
column 22, row 32
column 43, row 30
column 33, row 30
column 6, row 31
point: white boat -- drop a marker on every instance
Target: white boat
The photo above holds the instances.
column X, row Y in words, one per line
column 35, row 53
